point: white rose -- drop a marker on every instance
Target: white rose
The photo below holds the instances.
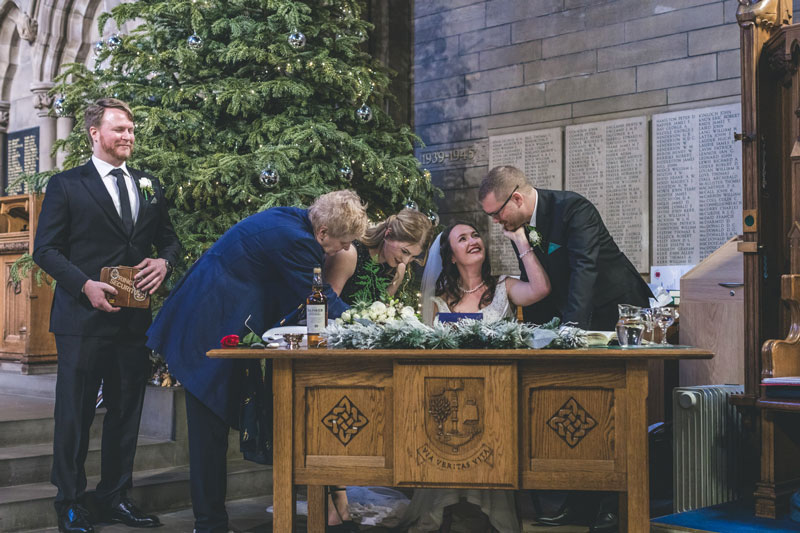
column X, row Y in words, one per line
column 391, row 312
column 407, row 312
column 346, row 316
column 378, row 307
column 145, row 183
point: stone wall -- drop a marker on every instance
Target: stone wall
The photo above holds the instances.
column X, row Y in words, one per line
column 487, row 67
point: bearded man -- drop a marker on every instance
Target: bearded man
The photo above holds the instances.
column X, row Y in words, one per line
column 100, row 214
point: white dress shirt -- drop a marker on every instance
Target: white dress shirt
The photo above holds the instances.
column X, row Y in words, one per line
column 110, row 182
column 535, row 208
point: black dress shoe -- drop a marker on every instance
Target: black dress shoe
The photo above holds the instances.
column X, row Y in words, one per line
column 605, row 522
column 75, row 520
column 567, row 514
column 130, row 515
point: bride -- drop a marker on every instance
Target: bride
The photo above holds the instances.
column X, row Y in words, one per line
column 457, row 278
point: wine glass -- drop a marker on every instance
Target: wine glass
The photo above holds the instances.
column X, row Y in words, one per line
column 648, row 318
column 665, row 316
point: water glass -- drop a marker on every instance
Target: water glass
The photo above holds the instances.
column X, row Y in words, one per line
column 630, row 325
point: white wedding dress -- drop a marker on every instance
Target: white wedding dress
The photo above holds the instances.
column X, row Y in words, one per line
column 424, row 513
column 499, row 308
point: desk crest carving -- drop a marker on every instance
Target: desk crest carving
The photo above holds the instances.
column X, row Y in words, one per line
column 345, row 420
column 572, row 422
column 454, row 424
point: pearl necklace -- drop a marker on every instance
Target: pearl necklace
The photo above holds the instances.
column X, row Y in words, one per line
column 470, row 291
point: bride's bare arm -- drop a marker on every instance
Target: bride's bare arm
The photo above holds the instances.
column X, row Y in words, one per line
column 520, row 292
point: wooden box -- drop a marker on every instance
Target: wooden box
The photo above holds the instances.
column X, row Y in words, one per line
column 712, row 317
column 24, row 327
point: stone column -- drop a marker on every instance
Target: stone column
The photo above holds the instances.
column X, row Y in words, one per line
column 5, row 108
column 42, row 101
column 64, row 127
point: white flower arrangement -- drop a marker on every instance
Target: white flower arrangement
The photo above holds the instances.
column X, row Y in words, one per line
column 146, row 186
column 378, row 312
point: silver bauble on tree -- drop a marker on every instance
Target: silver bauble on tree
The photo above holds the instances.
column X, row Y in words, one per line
column 346, row 172
column 433, row 216
column 58, row 106
column 98, row 47
column 297, row 39
column 364, row 113
column 194, row 41
column 269, row 177
column 114, row 42
column 411, row 204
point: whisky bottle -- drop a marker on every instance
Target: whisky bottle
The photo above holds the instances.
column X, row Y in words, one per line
column 316, row 311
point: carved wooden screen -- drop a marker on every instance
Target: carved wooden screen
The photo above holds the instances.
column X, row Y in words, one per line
column 770, row 111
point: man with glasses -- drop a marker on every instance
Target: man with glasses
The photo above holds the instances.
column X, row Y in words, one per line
column 589, row 275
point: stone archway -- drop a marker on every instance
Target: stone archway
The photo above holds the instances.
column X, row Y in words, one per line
column 11, row 19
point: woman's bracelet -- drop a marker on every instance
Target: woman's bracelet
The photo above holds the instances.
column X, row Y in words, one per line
column 526, row 252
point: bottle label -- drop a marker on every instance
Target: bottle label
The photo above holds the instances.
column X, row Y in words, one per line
column 315, row 319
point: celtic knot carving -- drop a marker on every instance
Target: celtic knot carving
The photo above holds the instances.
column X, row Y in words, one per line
column 572, row 422
column 345, row 420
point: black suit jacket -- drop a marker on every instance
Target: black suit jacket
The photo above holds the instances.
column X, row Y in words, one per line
column 79, row 232
column 589, row 275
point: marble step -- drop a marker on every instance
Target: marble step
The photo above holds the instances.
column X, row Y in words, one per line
column 21, row 465
column 30, row 507
column 26, row 420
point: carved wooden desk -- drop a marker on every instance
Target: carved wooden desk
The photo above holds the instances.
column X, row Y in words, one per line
column 497, row 419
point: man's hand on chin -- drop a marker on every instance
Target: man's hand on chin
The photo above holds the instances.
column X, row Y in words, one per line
column 153, row 273
column 96, row 292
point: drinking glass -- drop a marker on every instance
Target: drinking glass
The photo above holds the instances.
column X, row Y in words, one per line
column 630, row 325
column 648, row 319
column 665, row 316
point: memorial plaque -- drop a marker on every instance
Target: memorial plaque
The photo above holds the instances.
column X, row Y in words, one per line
column 539, row 155
column 22, row 157
column 607, row 162
column 697, row 183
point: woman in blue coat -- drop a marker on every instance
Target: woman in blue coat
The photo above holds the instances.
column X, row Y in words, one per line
column 262, row 268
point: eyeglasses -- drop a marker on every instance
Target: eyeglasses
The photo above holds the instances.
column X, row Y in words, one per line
column 496, row 213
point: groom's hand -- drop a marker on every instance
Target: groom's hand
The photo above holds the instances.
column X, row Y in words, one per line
column 518, row 237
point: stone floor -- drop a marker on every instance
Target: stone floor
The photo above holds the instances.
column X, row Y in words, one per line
column 250, row 516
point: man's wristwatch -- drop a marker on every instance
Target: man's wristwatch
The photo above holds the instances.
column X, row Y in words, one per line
column 169, row 266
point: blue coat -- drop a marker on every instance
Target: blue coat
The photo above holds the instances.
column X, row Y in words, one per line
column 263, row 266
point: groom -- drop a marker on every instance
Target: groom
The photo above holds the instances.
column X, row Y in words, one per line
column 589, row 275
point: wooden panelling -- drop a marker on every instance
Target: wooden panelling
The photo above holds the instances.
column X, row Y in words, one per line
column 458, row 425
column 25, row 322
column 715, row 326
column 344, row 418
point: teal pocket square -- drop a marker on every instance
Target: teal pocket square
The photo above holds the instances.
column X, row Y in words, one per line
column 552, row 247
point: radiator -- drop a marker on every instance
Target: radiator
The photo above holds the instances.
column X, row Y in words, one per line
column 706, row 446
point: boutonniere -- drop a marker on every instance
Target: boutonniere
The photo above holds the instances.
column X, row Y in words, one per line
column 534, row 237
column 146, row 186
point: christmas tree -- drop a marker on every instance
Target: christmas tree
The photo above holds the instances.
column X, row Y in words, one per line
column 242, row 105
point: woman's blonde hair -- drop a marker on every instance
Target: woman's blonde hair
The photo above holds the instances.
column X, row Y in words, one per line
column 342, row 212
column 409, row 225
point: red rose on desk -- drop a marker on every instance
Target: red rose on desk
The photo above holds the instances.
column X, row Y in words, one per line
column 230, row 341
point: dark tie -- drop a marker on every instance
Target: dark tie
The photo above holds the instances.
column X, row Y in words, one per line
column 124, row 200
